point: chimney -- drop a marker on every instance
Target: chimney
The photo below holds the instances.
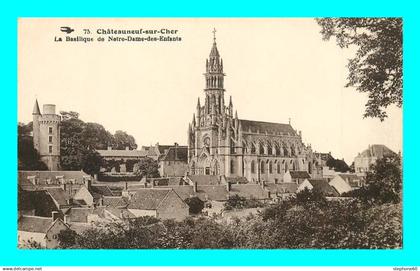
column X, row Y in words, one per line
column 228, row 186
column 66, row 219
column 127, row 148
column 262, row 183
column 109, row 148
column 64, row 186
column 195, row 187
column 55, row 215
column 101, row 201
column 95, row 176
column 69, row 201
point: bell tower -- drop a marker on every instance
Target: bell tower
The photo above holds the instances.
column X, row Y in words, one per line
column 214, row 76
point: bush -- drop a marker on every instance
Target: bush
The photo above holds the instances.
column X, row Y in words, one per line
column 196, row 205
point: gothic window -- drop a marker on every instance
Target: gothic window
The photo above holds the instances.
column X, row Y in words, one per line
column 277, row 150
column 232, row 166
column 207, row 144
column 310, row 167
column 220, row 104
column 262, row 167
column 252, row 167
column 244, row 148
column 232, row 146
column 262, row 149
column 269, row 149
column 292, row 150
column 270, row 168
column 286, row 167
column 285, row 151
column 253, row 149
column 278, row 167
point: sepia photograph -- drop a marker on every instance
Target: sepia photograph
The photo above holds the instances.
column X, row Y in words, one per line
column 210, row 133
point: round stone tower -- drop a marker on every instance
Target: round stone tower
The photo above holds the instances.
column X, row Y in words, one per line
column 47, row 136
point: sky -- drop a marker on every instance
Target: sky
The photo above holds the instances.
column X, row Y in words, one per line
column 275, row 68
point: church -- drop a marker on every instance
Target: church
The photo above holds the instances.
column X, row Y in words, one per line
column 220, row 143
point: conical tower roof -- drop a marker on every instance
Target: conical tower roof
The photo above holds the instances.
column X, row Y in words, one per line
column 36, row 110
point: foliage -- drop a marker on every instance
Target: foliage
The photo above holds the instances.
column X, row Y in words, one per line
column 123, row 140
column 338, row 165
column 28, row 156
column 147, row 168
column 67, row 238
column 383, row 182
column 238, row 202
column 91, row 162
column 307, row 195
column 376, row 68
column 30, row 244
column 196, row 205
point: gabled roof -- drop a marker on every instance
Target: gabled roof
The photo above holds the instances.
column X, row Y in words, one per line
column 34, row 224
column 322, row 186
column 212, row 192
column 299, row 174
column 114, row 201
column 122, row 153
column 262, row 127
column 120, row 213
column 148, row 199
column 80, row 214
column 352, row 179
column 98, row 191
column 176, row 153
column 40, row 201
column 281, row 187
column 205, row 179
column 26, row 185
column 59, row 195
column 376, row 150
column 184, row 191
column 254, row 191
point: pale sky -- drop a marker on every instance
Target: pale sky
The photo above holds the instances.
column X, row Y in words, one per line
column 276, row 69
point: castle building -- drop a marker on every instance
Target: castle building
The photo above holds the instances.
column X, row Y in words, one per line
column 220, row 143
column 46, row 135
column 364, row 160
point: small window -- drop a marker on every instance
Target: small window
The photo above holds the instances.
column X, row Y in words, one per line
column 49, row 139
column 50, row 130
column 50, row 149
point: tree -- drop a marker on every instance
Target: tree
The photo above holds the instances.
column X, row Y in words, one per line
column 147, row 168
column 67, row 115
column 91, row 162
column 376, row 68
column 196, row 205
column 28, row 156
column 383, row 182
column 123, row 140
column 338, row 165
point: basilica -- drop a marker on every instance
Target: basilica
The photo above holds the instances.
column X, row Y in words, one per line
column 220, row 143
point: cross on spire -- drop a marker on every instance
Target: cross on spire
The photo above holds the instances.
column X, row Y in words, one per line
column 214, row 34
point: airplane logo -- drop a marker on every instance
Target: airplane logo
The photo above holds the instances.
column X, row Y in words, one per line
column 66, row 29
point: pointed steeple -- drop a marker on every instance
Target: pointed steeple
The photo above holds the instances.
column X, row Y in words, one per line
column 236, row 114
column 36, row 110
column 198, row 103
column 230, row 102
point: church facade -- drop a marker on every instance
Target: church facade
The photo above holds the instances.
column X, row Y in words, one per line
column 219, row 143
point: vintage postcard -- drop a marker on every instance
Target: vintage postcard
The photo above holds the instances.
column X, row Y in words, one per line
column 224, row 133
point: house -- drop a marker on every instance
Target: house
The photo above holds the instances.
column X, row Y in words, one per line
column 174, row 162
column 84, row 215
column 346, row 182
column 364, row 160
column 319, row 185
column 116, row 214
column 160, row 203
column 61, row 198
column 36, row 203
column 43, row 230
column 296, row 176
column 157, row 151
column 281, row 191
column 83, row 197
